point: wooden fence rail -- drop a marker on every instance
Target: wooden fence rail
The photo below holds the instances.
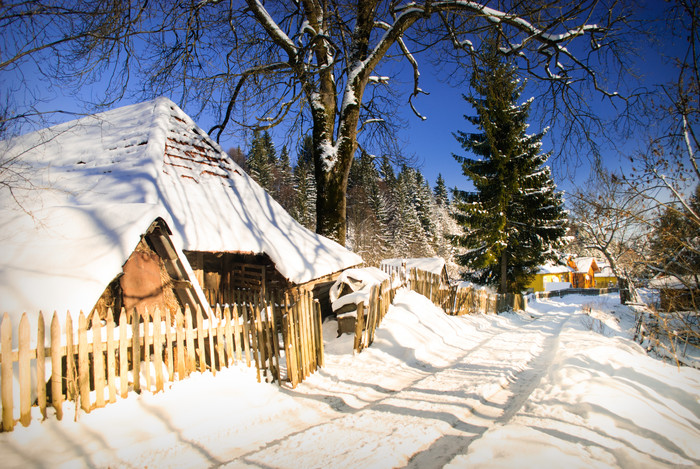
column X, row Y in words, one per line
column 94, row 363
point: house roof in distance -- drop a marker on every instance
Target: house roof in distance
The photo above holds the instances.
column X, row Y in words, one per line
column 584, row 264
column 553, row 268
column 89, row 188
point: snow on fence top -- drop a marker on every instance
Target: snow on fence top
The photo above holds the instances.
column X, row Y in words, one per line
column 89, row 188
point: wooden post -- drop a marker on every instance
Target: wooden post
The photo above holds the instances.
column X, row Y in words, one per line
column 98, row 360
column 319, row 337
column 8, row 420
column 189, row 340
column 146, row 354
column 311, row 329
column 290, row 342
column 158, row 348
column 83, row 364
column 41, row 365
column 71, row 371
column 254, row 336
column 200, row 341
column 25, row 380
column 228, row 336
column 220, row 338
column 210, row 333
column 123, row 355
column 169, row 344
column 303, row 336
column 180, row 344
column 136, row 350
column 233, row 333
column 359, row 327
column 246, row 332
column 111, row 359
column 276, row 306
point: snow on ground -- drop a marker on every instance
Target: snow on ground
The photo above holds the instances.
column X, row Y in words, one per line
column 559, row 384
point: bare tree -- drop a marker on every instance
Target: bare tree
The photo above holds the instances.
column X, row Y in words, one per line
column 612, row 220
column 324, row 64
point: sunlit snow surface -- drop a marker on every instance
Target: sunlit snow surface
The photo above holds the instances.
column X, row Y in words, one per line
column 551, row 387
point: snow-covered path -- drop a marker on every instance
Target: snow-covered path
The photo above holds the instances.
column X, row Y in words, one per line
column 437, row 416
column 554, row 386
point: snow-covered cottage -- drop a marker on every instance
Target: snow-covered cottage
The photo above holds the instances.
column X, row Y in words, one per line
column 137, row 206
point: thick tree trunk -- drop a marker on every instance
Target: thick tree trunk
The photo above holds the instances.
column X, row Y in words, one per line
column 331, row 189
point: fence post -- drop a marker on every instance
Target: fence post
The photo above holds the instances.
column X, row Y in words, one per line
column 25, row 380
column 123, row 356
column 71, row 370
column 111, row 358
column 136, row 350
column 8, row 421
column 98, row 360
column 319, row 328
column 41, row 365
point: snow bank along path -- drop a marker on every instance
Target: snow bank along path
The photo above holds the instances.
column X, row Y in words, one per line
column 554, row 387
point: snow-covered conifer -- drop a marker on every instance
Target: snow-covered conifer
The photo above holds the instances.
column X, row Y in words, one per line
column 514, row 220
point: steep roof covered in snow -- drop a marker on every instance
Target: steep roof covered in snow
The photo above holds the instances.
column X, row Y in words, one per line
column 89, row 188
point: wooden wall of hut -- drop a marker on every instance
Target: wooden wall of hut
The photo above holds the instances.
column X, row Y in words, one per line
column 222, row 273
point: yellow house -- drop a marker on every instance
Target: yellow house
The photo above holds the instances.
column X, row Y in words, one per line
column 551, row 277
column 605, row 278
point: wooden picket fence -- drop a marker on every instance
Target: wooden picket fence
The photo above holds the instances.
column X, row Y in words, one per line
column 93, row 363
column 303, row 335
column 457, row 300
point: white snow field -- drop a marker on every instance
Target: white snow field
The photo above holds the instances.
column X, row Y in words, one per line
column 552, row 387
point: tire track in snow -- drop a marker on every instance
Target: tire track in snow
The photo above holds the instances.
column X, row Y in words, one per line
column 431, row 420
column 496, row 408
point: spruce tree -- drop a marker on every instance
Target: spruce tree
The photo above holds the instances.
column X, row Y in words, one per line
column 284, row 187
column 305, row 211
column 440, row 192
column 258, row 162
column 514, row 221
column 366, row 211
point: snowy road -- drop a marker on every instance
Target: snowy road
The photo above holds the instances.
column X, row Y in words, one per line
column 436, row 417
column 553, row 387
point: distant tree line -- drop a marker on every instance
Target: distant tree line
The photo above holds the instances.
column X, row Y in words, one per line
column 391, row 211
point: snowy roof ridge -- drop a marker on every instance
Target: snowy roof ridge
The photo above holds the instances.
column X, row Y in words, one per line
column 106, row 177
